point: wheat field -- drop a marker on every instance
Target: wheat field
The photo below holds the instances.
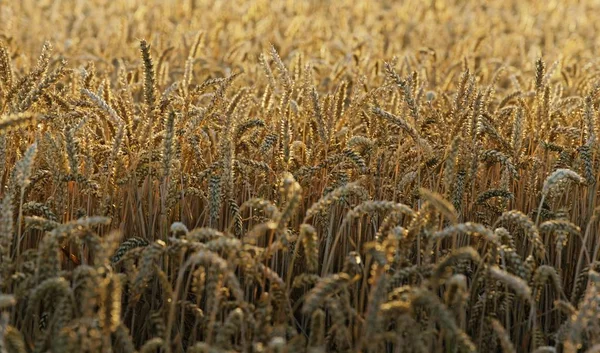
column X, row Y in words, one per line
column 299, row 176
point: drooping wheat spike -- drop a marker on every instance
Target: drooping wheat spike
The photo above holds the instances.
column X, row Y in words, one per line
column 48, row 80
column 316, row 340
column 207, row 259
column 204, row 235
column 44, row 59
column 267, row 70
column 554, row 179
column 359, row 141
column 86, row 289
column 502, row 105
column 517, row 133
column 456, row 296
column 590, row 120
column 318, row 117
column 149, row 91
column 40, row 209
column 560, row 225
column 215, row 190
column 369, row 207
column 40, row 223
column 585, row 153
column 565, row 307
column 543, row 274
column 285, row 138
column 292, row 191
column 72, row 146
column 285, row 77
column 162, row 66
column 125, row 246
column 503, row 336
column 332, row 197
column 245, row 126
column 455, row 257
column 580, row 321
column 310, row 243
column 450, row 165
column 458, row 190
column 339, row 101
column 391, row 72
column 505, row 236
column 305, row 279
column 500, row 157
column 524, row 222
column 514, row 262
column 16, row 121
column 150, row 256
column 424, row 298
column 25, row 85
column 6, row 70
column 324, row 288
column 224, row 246
column 48, row 293
column 352, row 263
column 243, row 164
column 540, row 68
column 515, row 283
column 462, row 93
column 336, row 308
column 399, row 122
column 468, row 228
column 356, row 158
column 408, row 86
column 488, row 194
column 277, row 285
column 149, row 83
column 236, row 217
column 103, row 105
column 227, row 150
column 229, row 331
column 580, row 283
column 557, row 176
column 439, row 203
column 198, row 42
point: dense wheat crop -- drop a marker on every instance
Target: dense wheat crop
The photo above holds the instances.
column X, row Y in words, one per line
column 299, row 176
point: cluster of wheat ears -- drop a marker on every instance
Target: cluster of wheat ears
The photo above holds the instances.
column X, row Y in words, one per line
column 317, row 176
